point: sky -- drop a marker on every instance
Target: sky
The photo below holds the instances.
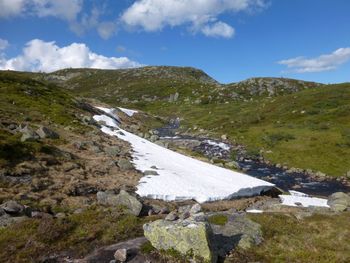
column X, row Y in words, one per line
column 231, row 40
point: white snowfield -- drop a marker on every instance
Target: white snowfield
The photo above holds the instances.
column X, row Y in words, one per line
column 181, row 177
column 301, row 199
column 128, row 112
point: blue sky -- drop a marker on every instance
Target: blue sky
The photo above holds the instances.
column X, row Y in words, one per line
column 231, row 40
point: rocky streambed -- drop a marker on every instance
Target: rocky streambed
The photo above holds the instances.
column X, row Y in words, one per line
column 220, row 153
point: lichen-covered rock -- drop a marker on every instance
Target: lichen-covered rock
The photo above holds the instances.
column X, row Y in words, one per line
column 185, row 237
column 45, row 132
column 133, row 205
column 339, row 201
column 238, row 231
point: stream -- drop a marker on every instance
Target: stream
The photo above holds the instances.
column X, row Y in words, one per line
column 281, row 178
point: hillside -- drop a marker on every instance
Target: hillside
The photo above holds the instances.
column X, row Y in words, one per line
column 78, row 178
column 289, row 122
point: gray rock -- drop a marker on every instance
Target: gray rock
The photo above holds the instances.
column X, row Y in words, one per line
column 154, row 138
column 184, row 208
column 45, row 132
column 339, row 201
column 182, row 237
column 125, row 164
column 172, row 216
column 28, row 134
column 6, row 220
column 164, row 210
column 195, row 209
column 184, row 215
column 239, row 231
column 150, row 172
column 133, row 205
column 232, row 164
column 121, row 255
column 13, row 208
column 113, row 151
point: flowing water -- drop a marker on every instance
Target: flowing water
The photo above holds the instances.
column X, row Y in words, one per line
column 278, row 176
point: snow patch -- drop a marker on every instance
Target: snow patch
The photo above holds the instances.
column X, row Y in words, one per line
column 181, row 177
column 304, row 201
column 128, row 112
column 254, row 211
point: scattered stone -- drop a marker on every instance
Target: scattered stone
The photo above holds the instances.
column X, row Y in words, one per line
column 164, row 210
column 339, row 201
column 60, row 215
column 45, row 132
column 113, row 151
column 154, row 138
column 133, row 205
column 121, row 255
column 224, row 137
column 172, row 216
column 40, row 215
column 232, row 164
column 182, row 237
column 13, row 208
column 184, row 215
column 184, row 208
column 195, row 209
column 125, row 164
column 28, row 134
column 150, row 172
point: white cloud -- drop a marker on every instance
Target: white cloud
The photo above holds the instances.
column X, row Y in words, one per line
column 11, row 8
column 44, row 56
column 63, row 9
column 106, row 29
column 218, row 29
column 3, row 44
column 153, row 15
column 322, row 63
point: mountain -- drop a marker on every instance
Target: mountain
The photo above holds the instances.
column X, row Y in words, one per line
column 289, row 122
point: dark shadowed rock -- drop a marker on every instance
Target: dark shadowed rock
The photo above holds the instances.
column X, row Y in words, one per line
column 13, row 208
column 45, row 132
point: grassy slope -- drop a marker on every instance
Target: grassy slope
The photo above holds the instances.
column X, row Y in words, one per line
column 309, row 129
column 319, row 238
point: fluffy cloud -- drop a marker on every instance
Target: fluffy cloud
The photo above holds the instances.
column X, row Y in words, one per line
column 47, row 56
column 322, row 63
column 64, row 9
column 153, row 15
column 3, row 44
column 11, row 7
column 218, row 29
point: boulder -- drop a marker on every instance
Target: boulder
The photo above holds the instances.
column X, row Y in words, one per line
column 125, row 164
column 113, row 151
column 339, row 201
column 195, row 209
column 133, row 205
column 6, row 220
column 185, row 237
column 45, row 132
column 172, row 216
column 121, row 255
column 13, row 208
column 238, row 231
column 28, row 134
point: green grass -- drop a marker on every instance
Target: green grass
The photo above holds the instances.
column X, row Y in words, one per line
column 308, row 129
column 23, row 98
column 319, row 238
column 33, row 239
column 218, row 219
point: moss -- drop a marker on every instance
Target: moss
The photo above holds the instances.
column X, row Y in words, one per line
column 78, row 233
column 147, row 248
column 319, row 238
column 218, row 219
